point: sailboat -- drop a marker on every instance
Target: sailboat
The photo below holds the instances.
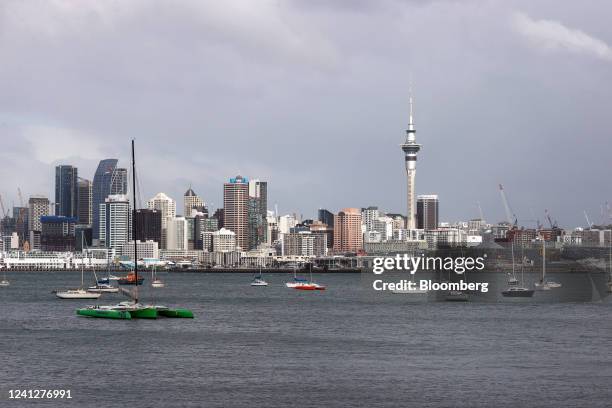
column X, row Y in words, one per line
column 310, row 285
column 513, row 289
column 133, row 309
column 259, row 280
column 543, row 284
column 156, row 282
column 296, row 281
column 79, row 293
column 101, row 287
column 4, row 282
column 109, row 277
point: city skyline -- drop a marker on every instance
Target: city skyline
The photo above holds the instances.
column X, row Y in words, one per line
column 506, row 107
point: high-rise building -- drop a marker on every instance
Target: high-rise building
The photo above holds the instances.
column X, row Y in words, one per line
column 66, row 191
column 167, row 207
column 103, row 183
column 318, row 227
column 192, row 201
column 235, row 209
column 119, row 181
column 347, row 230
column 304, row 243
column 38, row 206
column 148, row 225
column 177, row 233
column 84, row 202
column 219, row 215
column 58, row 233
column 427, row 212
column 258, row 211
column 115, row 221
column 411, row 148
column 327, row 218
column 21, row 222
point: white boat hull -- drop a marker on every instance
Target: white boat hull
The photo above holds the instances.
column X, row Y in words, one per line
column 77, row 294
column 103, row 290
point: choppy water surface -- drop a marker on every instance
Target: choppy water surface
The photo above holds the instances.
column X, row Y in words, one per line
column 262, row 347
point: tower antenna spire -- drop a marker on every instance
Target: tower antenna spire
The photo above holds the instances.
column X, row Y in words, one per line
column 411, row 148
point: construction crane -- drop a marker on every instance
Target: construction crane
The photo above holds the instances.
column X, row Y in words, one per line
column 510, row 216
column 20, row 197
column 587, row 219
column 480, row 211
column 553, row 225
column 4, row 213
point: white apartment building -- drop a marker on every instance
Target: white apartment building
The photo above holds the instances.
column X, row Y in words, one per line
column 115, row 221
column 176, row 233
column 224, row 240
column 147, row 249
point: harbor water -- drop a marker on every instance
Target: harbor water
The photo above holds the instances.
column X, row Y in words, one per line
column 274, row 346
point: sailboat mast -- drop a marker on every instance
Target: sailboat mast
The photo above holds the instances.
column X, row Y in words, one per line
column 133, row 223
column 543, row 258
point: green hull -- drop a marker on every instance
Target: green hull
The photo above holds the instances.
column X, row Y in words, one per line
column 145, row 313
column 104, row 314
column 178, row 313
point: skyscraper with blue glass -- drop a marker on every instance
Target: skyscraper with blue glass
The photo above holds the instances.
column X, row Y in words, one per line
column 108, row 180
column 66, row 191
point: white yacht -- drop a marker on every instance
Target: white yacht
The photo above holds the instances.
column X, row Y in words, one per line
column 4, row 282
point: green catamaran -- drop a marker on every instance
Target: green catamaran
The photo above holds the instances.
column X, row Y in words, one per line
column 133, row 309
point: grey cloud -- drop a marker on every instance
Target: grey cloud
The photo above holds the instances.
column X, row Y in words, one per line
column 312, row 98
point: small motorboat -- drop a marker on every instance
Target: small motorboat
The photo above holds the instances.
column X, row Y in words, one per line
column 518, row 292
column 103, row 288
column 259, row 282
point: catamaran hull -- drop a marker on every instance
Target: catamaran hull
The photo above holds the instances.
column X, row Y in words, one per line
column 146, row 313
column 176, row 313
column 104, row 314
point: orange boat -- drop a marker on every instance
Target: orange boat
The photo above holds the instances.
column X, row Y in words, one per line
column 130, row 279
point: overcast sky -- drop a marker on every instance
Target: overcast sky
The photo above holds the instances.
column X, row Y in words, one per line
column 312, row 96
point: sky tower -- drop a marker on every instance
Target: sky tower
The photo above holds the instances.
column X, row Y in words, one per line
column 411, row 148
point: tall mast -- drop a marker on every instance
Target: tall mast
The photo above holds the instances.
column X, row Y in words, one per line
column 134, row 226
